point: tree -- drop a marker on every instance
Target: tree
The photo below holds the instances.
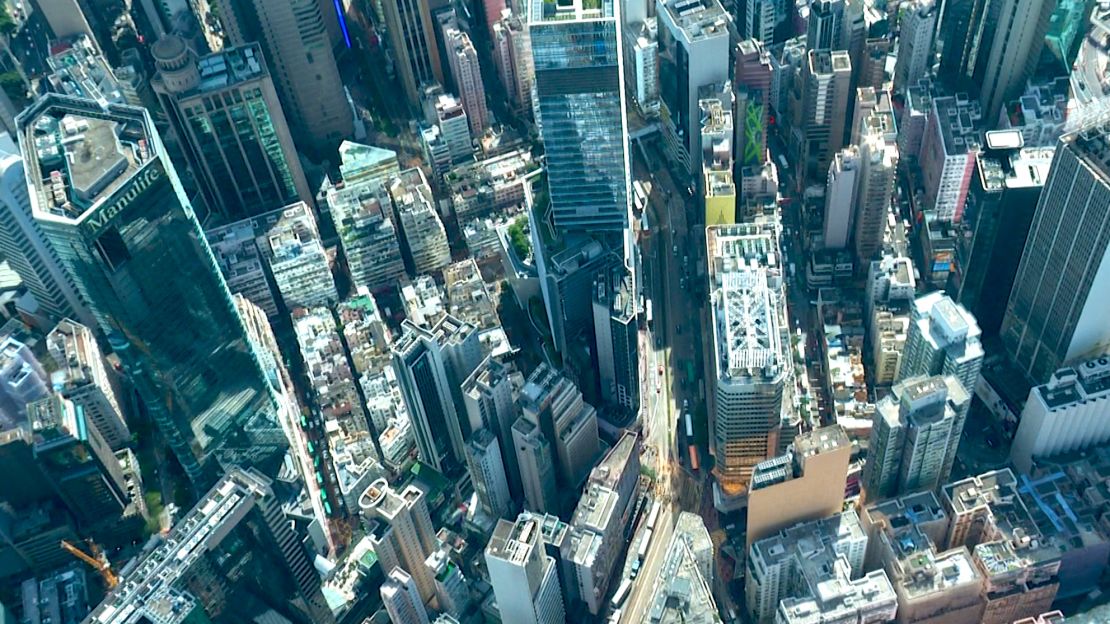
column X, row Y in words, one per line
column 519, row 239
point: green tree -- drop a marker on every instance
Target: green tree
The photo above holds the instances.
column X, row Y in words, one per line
column 519, row 239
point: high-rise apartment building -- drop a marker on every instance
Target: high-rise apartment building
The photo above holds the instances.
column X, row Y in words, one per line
column 878, row 150
column 233, row 130
column 513, row 58
column 750, row 359
column 569, row 423
column 943, row 339
column 120, row 224
column 1005, row 187
column 1070, row 412
column 298, row 261
column 402, row 600
column 295, row 42
column 579, row 86
column 1055, row 312
column 693, row 53
column 363, row 215
column 761, row 19
column 401, row 532
column 840, row 197
column 25, row 248
column 412, row 44
column 83, row 378
column 426, row 246
column 463, row 61
column 914, row 436
column 487, row 473
column 452, row 123
column 233, row 557
column 950, row 143
column 916, row 27
column 524, row 577
column 805, row 484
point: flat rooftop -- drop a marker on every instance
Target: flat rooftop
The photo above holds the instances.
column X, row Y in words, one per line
column 554, row 11
column 698, row 19
column 77, row 154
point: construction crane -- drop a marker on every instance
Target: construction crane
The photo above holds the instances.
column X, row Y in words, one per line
column 96, row 560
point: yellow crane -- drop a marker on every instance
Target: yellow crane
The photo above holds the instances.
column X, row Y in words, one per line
column 97, row 560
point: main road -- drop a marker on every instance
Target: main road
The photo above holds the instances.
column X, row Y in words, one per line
column 669, row 257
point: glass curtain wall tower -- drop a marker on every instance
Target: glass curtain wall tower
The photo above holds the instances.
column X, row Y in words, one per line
column 576, row 49
column 110, row 204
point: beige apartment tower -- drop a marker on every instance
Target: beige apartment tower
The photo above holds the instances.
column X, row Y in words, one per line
column 805, row 484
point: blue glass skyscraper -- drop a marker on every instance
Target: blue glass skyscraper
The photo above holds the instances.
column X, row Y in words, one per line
column 580, row 103
column 110, row 204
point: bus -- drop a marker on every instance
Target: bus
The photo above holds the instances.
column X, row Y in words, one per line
column 694, row 457
column 689, row 427
column 653, row 516
column 622, row 594
column 642, row 552
column 616, row 616
column 647, row 311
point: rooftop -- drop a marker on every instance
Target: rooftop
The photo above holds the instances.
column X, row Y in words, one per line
column 959, row 121
column 1076, row 385
column 551, row 11
column 698, row 19
column 149, row 581
column 78, row 154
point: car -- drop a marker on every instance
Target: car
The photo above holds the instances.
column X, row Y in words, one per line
column 660, row 369
column 685, row 403
column 675, row 249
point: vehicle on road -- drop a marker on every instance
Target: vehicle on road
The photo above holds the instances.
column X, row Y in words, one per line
column 689, row 427
column 694, row 457
column 622, row 594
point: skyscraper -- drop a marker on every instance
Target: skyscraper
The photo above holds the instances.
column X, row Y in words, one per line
column 422, row 363
column 693, row 53
column 1056, row 311
column 412, row 42
column 943, row 339
column 1005, row 188
column 121, row 225
column 415, row 209
column 992, row 47
column 294, row 39
column 878, row 150
column 821, row 113
column 914, row 437
column 489, row 397
column 579, row 84
column 80, row 465
column 750, row 360
column 840, row 197
column 525, row 581
column 402, row 600
column 232, row 128
column 487, row 472
column 826, row 22
column 25, row 249
column 915, row 43
column 403, row 536
column 536, row 461
column 616, row 334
